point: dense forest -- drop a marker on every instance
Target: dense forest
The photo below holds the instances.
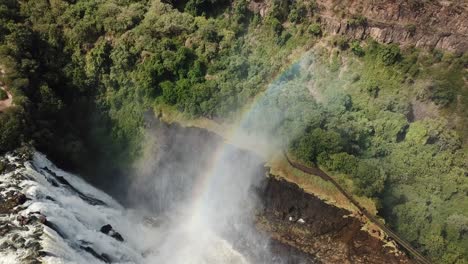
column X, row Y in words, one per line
column 83, row 72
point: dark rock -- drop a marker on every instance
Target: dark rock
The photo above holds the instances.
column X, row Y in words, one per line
column 20, row 242
column 63, row 181
column 55, row 228
column 50, row 198
column 91, row 251
column 106, row 229
column 33, row 245
column 20, row 199
column 4, row 245
column 14, row 237
column 107, row 257
column 53, row 182
column 23, row 220
column 4, row 229
column 30, row 260
column 43, row 253
column 117, row 236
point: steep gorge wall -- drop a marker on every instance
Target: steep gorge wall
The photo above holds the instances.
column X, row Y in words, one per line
column 426, row 24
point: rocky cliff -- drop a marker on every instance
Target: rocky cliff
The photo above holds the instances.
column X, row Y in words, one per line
column 427, row 24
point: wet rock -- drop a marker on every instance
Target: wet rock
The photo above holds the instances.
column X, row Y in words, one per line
column 63, row 181
column 31, row 260
column 22, row 220
column 4, row 245
column 117, row 236
column 43, row 253
column 14, row 237
column 33, row 245
column 107, row 257
column 50, row 198
column 20, row 199
column 10, row 201
column 108, row 230
column 54, row 227
column 4, row 229
column 20, row 242
column 91, row 251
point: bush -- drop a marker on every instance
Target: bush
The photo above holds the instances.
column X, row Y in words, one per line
column 357, row 20
column 285, row 36
column 390, row 54
column 357, row 49
column 315, row 29
column 276, row 25
column 411, row 28
column 340, row 162
column 11, row 129
column 341, row 42
column 441, row 93
column 3, row 95
column 310, row 145
column 369, row 178
column 297, row 14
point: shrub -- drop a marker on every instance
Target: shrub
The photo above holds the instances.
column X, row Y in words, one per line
column 297, row 14
column 315, row 29
column 369, row 178
column 411, row 28
column 357, row 49
column 441, row 93
column 316, row 142
column 340, row 162
column 276, row 25
column 11, row 128
column 341, row 42
column 3, row 95
column 390, row 54
column 357, row 20
column 285, row 36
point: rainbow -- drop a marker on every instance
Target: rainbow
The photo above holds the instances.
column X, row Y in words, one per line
column 239, row 136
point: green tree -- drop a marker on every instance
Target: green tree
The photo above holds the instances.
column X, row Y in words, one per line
column 310, row 145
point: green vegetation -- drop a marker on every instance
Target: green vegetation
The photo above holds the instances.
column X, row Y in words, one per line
column 357, row 20
column 3, row 95
column 315, row 29
column 84, row 72
column 416, row 169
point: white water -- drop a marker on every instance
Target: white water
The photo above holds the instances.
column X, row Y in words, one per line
column 80, row 222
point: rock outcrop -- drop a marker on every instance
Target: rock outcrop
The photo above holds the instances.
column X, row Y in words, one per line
column 427, row 24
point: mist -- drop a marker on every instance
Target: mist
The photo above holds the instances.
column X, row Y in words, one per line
column 202, row 191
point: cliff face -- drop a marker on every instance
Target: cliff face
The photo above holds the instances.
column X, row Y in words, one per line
column 427, row 24
column 329, row 233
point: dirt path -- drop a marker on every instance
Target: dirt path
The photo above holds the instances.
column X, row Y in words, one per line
column 4, row 104
column 402, row 242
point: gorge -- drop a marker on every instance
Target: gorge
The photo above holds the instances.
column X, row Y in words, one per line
column 55, row 216
column 233, row 131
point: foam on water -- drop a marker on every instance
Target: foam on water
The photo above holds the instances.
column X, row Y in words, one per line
column 77, row 222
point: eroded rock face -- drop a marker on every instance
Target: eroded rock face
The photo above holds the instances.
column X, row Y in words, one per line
column 428, row 24
column 329, row 233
